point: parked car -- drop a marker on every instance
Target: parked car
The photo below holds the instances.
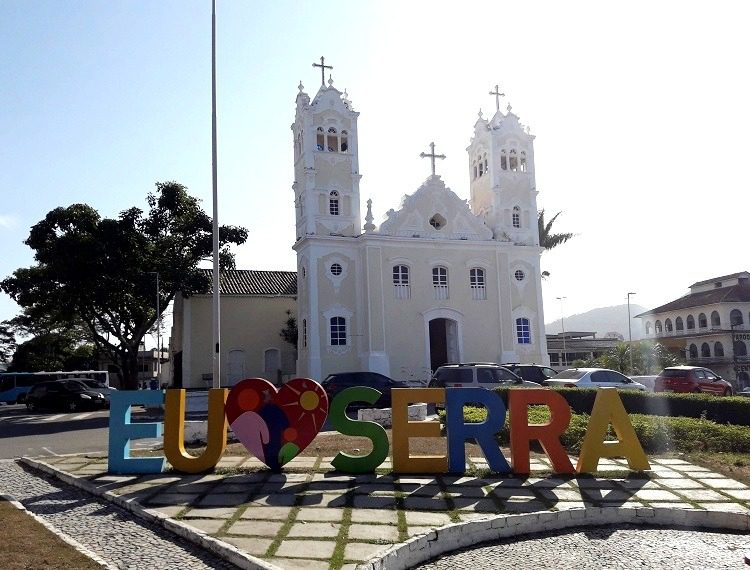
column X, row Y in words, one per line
column 648, row 381
column 335, row 383
column 593, row 378
column 69, row 395
column 477, row 374
column 532, row 372
column 97, row 386
column 744, row 392
column 692, row 379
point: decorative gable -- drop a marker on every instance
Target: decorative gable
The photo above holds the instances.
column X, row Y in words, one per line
column 434, row 211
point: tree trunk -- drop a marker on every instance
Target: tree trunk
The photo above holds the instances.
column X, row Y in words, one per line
column 129, row 367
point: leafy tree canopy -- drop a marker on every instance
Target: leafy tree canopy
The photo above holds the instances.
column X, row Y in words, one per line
column 99, row 272
column 7, row 342
column 289, row 333
column 53, row 351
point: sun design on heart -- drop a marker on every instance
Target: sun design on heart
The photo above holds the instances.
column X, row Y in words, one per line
column 306, row 404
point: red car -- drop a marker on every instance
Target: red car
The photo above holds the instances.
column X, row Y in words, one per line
column 692, row 379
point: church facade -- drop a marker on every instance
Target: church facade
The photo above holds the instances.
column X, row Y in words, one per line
column 440, row 280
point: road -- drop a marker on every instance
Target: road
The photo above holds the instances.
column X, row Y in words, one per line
column 49, row 433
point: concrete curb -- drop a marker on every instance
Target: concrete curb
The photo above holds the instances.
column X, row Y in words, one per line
column 61, row 535
column 452, row 537
column 225, row 551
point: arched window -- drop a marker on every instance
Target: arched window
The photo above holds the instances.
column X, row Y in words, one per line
column 523, row 331
column 735, row 317
column 338, row 331
column 668, row 325
column 743, row 379
column 486, row 164
column 440, row 282
column 333, row 203
column 678, row 324
column 332, row 140
column 523, row 161
column 401, row 286
column 705, row 350
column 344, row 141
column 690, row 322
column 476, row 282
column 648, row 328
column 693, row 351
column 320, row 139
column 715, row 319
column 740, row 348
column 516, row 217
column 481, row 168
column 503, row 160
column 475, row 170
column 702, row 321
column 718, row 349
column 657, row 327
column 513, row 162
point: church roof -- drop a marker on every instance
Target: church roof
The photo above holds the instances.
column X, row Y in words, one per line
column 256, row 283
column 733, row 294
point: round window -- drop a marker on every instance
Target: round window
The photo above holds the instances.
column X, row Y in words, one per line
column 520, row 275
column 336, row 269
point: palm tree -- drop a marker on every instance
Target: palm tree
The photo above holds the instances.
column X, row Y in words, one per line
column 547, row 239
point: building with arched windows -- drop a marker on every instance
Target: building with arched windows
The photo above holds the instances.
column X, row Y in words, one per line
column 710, row 326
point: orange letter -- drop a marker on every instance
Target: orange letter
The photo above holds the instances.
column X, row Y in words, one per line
column 403, row 429
column 548, row 435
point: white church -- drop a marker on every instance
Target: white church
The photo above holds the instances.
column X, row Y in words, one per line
column 442, row 279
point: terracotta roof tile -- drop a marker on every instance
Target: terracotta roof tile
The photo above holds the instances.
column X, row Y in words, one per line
column 256, row 283
column 734, row 294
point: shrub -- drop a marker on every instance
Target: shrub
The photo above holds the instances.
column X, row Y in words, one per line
column 731, row 410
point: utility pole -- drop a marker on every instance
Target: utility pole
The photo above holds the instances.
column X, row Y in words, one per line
column 630, row 336
column 214, row 169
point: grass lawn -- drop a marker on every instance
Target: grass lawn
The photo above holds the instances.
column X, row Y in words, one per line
column 29, row 545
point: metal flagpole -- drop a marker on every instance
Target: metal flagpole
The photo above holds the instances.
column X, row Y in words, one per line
column 216, row 284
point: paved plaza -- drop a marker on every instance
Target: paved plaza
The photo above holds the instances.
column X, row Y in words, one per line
column 315, row 518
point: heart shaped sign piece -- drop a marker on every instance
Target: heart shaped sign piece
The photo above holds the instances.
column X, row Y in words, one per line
column 276, row 425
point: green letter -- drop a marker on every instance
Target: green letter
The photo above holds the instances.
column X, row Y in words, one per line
column 347, row 426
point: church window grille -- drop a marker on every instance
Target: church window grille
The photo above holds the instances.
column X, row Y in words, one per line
column 333, row 203
column 657, row 327
column 523, row 331
column 702, row 322
column 320, row 139
column 678, row 324
column 668, row 325
column 336, row 269
column 477, row 283
column 519, row 275
column 401, row 287
column 332, row 140
column 735, row 317
column 715, row 319
column 523, row 161
column 513, row 160
column 503, row 160
column 718, row 349
column 338, row 331
column 440, row 283
column 304, row 333
column 693, row 351
column 437, row 221
column 690, row 322
column 705, row 350
column 516, row 217
column 344, row 141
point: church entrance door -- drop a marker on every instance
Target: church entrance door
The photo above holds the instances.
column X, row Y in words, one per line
column 443, row 342
column 236, row 366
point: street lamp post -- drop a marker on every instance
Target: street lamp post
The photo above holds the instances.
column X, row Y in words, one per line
column 630, row 335
column 562, row 321
column 158, row 327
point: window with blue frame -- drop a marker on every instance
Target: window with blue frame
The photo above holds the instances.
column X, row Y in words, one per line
column 523, row 331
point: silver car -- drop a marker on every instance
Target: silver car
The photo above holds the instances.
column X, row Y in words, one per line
column 593, row 378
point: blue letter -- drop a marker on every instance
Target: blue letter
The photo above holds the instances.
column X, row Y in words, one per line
column 121, row 431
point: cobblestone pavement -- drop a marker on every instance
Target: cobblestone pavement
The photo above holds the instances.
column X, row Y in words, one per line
column 105, row 529
column 623, row 548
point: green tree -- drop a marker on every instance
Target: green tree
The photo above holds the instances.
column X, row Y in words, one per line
column 547, row 239
column 7, row 342
column 289, row 333
column 100, row 271
column 53, row 351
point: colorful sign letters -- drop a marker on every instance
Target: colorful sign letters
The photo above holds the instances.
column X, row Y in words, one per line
column 276, row 425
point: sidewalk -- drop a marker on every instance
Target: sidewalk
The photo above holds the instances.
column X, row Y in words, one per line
column 313, row 518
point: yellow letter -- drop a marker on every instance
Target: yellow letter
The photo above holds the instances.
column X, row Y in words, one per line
column 403, row 429
column 608, row 409
column 174, row 432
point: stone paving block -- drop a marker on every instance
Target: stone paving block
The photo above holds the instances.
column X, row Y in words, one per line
column 320, row 549
column 251, row 545
column 255, row 528
column 169, row 510
column 524, row 506
column 256, row 512
column 608, row 495
column 245, row 478
column 560, row 494
column 210, row 513
column 425, row 504
column 426, row 519
column 210, row 526
column 702, row 495
column 654, row 495
column 548, row 483
column 416, row 530
column 683, row 483
column 637, row 484
column 742, row 494
column 299, row 564
column 362, row 550
column 314, row 530
column 173, row 499
column 224, row 499
column 282, row 478
column 320, row 515
column 379, row 516
column 370, row 488
column 253, row 463
column 592, row 483
column 675, row 505
column 323, row 500
column 669, row 461
column 564, row 505
column 231, row 461
column 702, row 476
column 338, row 477
column 368, row 502
column 274, row 500
column 728, row 507
column 477, row 505
column 503, row 493
column 380, row 532
column 725, row 484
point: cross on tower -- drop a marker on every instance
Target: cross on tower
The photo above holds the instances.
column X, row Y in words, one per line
column 497, row 95
column 432, row 156
column 322, row 65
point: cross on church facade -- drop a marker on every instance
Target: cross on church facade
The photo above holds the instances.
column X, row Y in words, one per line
column 497, row 95
column 322, row 65
column 432, row 156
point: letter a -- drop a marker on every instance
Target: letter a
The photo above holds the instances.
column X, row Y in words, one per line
column 608, row 409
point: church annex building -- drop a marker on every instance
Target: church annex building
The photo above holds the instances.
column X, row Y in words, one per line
column 440, row 280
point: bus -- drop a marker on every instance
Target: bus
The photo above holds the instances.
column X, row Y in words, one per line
column 15, row 385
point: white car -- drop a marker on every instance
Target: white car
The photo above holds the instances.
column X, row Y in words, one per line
column 593, row 378
column 745, row 392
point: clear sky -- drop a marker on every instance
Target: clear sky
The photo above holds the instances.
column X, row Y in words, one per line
column 640, row 110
